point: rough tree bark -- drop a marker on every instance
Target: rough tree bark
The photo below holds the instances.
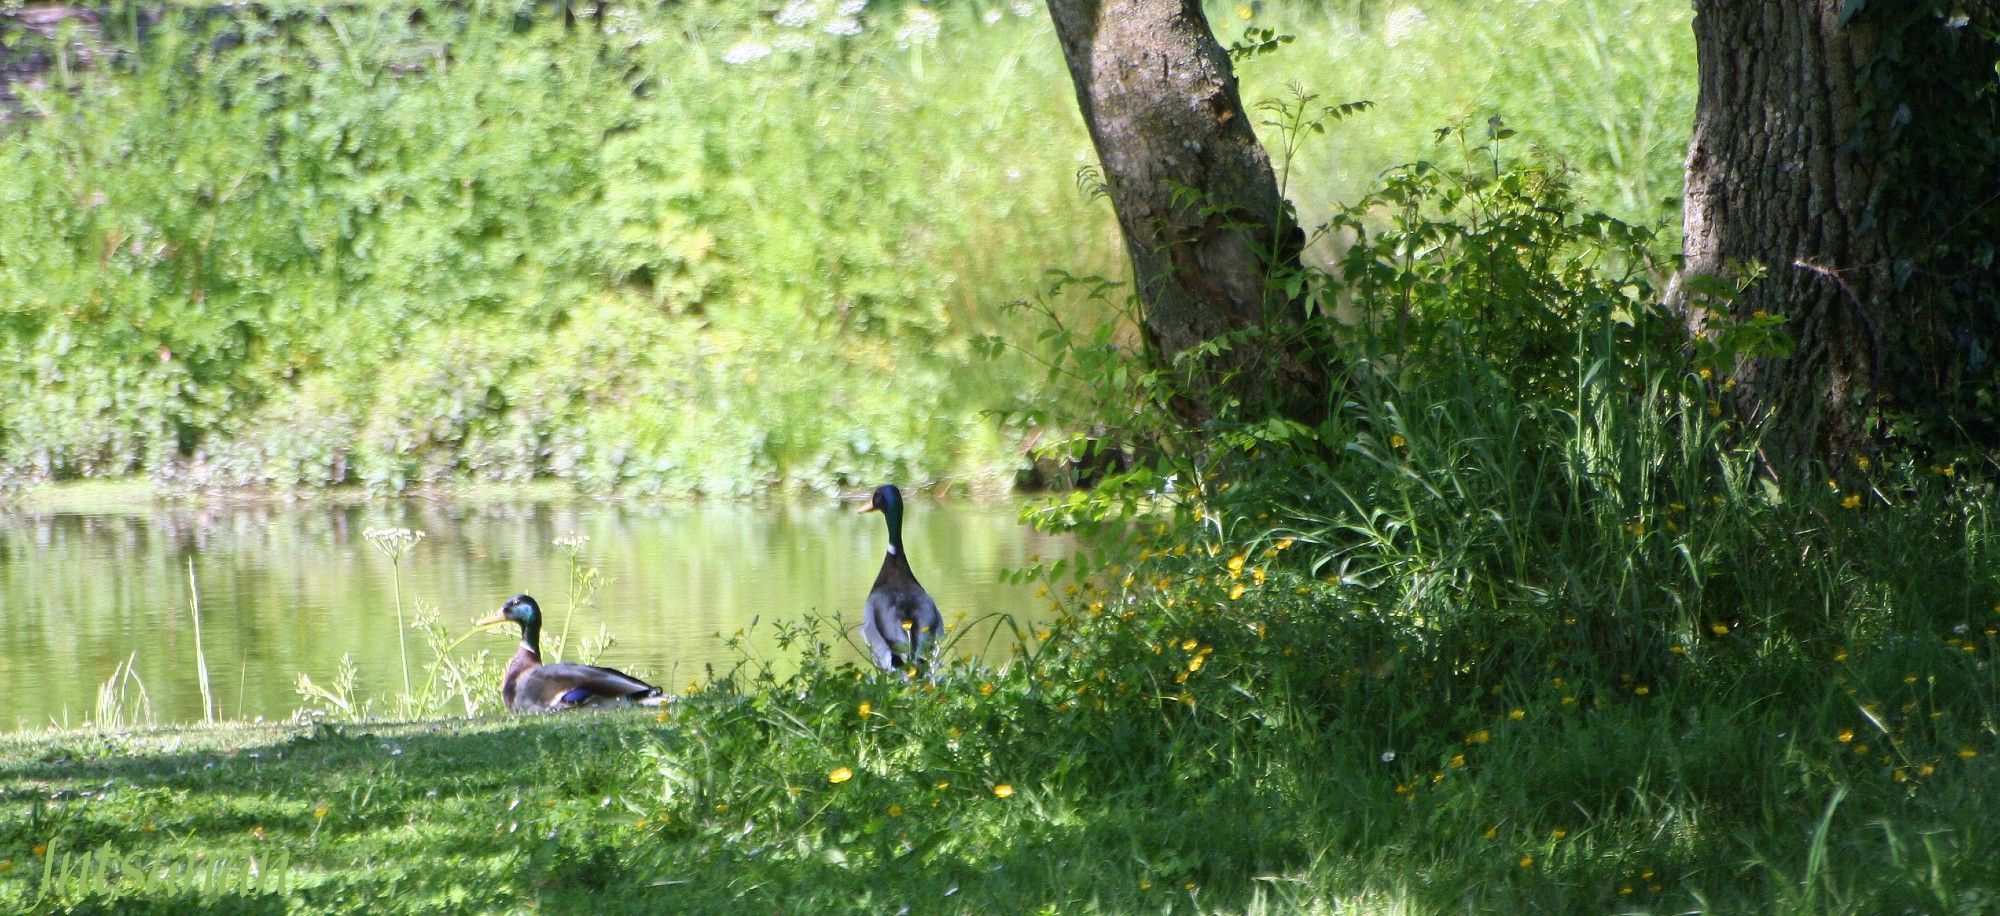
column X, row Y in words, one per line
column 1806, row 159
column 1160, row 98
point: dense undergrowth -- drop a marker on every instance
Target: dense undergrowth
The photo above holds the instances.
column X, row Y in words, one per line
column 1521, row 625
column 405, row 244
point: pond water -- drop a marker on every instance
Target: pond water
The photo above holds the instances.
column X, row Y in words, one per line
column 286, row 589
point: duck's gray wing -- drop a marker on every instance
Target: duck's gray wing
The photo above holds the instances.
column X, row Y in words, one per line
column 878, row 623
column 928, row 627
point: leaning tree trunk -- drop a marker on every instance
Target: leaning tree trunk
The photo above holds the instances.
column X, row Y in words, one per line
column 1850, row 158
column 1209, row 236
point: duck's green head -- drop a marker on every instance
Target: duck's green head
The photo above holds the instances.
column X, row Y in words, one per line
column 519, row 609
column 889, row 501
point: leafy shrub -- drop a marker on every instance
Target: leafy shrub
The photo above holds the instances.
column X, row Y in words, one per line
column 428, row 243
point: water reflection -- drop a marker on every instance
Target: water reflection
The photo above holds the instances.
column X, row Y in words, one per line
column 286, row 589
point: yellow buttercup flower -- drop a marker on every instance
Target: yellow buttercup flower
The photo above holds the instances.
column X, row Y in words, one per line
column 1853, row 501
column 1966, row 753
column 866, row 708
column 1719, row 629
column 895, row 810
column 1846, row 735
column 1236, row 564
column 1003, row 790
column 1236, row 591
column 840, row 775
column 1526, row 862
column 1396, row 441
column 1517, row 715
column 1479, row 737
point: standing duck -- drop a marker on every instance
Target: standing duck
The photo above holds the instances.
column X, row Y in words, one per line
column 901, row 623
column 530, row 686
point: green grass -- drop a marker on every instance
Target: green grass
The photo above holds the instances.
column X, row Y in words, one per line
column 1522, row 625
column 1249, row 792
column 1607, row 88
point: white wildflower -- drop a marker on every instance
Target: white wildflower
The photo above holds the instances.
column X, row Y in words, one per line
column 797, row 14
column 993, row 16
column 842, row 27
column 1024, row 9
column 744, row 52
column 851, row 8
column 393, row 542
column 920, row 29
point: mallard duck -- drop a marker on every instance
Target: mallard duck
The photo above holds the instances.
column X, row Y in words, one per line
column 901, row 624
column 530, row 686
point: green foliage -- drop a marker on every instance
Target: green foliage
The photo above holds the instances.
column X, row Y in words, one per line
column 1609, row 87
column 417, row 244
column 1524, row 599
column 434, row 242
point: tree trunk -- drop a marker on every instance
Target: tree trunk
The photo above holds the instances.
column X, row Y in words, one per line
column 1210, row 238
column 1800, row 162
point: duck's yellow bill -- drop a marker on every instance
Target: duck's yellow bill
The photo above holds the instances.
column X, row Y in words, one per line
column 491, row 619
column 864, row 510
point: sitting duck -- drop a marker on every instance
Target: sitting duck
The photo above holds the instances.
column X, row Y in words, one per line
column 530, row 686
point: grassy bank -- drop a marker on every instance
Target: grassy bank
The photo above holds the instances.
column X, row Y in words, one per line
column 1234, row 760
column 472, row 244
column 1522, row 623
